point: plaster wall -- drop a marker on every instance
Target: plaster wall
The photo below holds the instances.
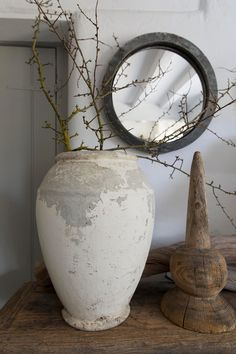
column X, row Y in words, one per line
column 210, row 25
column 22, row 9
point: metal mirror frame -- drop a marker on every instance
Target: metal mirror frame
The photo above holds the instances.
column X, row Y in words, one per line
column 190, row 53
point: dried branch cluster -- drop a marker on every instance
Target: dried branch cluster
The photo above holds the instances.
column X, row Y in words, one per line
column 85, row 69
column 52, row 14
column 52, row 18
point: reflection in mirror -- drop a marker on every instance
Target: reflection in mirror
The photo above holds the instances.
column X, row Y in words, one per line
column 156, row 92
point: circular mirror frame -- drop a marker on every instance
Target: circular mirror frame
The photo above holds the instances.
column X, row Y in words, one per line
column 188, row 51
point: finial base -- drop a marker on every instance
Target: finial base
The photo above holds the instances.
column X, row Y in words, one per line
column 204, row 315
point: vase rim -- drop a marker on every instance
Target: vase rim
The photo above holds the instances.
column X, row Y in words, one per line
column 94, row 155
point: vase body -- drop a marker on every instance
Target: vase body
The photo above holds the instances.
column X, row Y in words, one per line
column 95, row 216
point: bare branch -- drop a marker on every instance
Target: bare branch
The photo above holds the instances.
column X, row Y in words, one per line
column 223, row 209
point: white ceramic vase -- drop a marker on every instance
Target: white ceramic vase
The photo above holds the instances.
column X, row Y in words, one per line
column 95, row 216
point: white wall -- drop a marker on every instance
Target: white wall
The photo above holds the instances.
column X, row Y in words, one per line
column 209, row 24
column 22, row 9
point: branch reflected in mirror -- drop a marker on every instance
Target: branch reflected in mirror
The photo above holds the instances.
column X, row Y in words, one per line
column 156, row 92
column 160, row 91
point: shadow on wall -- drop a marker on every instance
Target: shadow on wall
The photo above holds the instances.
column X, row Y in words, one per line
column 171, row 213
column 220, row 159
column 14, row 247
column 221, row 168
column 8, row 286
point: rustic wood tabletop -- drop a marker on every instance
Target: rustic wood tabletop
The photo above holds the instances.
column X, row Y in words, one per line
column 31, row 322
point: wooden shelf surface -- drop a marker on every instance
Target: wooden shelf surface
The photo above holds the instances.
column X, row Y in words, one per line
column 31, row 322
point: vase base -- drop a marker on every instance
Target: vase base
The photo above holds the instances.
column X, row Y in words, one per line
column 100, row 324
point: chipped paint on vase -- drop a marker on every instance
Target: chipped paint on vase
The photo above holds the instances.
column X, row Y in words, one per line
column 95, row 216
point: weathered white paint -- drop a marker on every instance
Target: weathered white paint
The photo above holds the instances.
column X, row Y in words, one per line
column 94, row 241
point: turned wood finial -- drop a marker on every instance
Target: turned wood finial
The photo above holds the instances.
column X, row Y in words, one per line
column 197, row 220
column 199, row 271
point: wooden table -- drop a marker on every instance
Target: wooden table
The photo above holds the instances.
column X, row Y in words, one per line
column 31, row 323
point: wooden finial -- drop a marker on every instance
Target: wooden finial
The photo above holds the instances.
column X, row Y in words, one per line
column 199, row 271
column 197, row 220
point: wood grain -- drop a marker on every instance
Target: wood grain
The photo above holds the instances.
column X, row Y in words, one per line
column 199, row 271
column 197, row 235
column 37, row 327
column 198, row 314
column 159, row 259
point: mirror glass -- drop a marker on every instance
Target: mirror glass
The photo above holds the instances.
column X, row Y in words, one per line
column 156, row 95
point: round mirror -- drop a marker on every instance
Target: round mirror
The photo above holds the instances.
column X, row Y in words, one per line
column 160, row 92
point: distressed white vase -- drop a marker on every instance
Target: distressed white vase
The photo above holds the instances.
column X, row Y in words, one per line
column 95, row 216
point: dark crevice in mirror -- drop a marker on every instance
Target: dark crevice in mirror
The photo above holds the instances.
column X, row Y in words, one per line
column 160, row 92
